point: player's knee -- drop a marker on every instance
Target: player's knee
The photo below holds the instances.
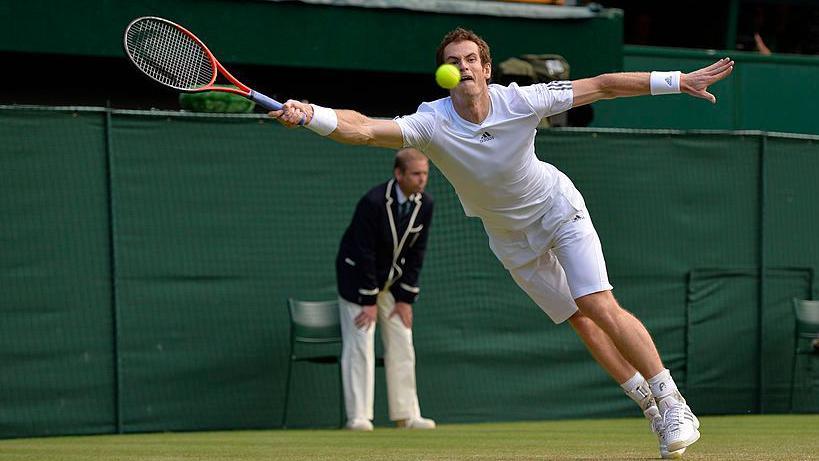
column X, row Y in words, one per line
column 583, row 324
column 579, row 321
column 600, row 307
column 599, row 301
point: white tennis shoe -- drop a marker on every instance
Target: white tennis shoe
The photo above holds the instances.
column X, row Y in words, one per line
column 359, row 424
column 416, row 423
column 658, row 428
column 681, row 426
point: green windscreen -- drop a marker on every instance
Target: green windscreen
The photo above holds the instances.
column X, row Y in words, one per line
column 146, row 259
column 56, row 345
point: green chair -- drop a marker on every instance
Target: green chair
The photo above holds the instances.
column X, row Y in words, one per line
column 313, row 323
column 807, row 330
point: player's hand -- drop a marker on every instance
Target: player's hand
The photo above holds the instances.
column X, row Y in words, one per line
column 696, row 83
column 403, row 311
column 366, row 317
column 292, row 113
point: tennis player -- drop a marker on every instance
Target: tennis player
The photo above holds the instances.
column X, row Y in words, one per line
column 482, row 138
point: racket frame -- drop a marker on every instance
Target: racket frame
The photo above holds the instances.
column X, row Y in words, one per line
column 241, row 89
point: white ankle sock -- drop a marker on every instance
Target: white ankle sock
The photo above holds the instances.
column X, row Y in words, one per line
column 662, row 386
column 632, row 382
column 637, row 389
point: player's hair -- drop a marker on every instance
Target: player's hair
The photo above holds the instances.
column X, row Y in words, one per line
column 406, row 155
column 460, row 35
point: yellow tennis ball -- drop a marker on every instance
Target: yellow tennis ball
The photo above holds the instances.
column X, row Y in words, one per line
column 447, row 76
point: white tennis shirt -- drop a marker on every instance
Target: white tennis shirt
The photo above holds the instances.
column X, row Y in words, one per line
column 493, row 166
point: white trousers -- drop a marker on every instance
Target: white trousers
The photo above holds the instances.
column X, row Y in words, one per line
column 358, row 362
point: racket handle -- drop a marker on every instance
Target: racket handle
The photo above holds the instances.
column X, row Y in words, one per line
column 264, row 101
column 268, row 103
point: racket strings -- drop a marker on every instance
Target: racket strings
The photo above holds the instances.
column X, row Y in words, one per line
column 168, row 55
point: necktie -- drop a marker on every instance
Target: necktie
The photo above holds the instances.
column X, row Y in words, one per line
column 403, row 209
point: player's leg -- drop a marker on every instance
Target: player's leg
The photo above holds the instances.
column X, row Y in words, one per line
column 544, row 278
column 357, row 367
column 399, row 364
column 540, row 274
column 602, row 348
column 630, row 337
column 581, row 257
column 631, row 381
column 628, row 334
column 578, row 249
column 606, row 354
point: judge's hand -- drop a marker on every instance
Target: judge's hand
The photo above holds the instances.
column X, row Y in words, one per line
column 366, row 317
column 404, row 311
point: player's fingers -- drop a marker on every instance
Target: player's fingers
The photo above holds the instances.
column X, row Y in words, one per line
column 294, row 106
column 717, row 64
column 723, row 73
column 279, row 116
column 708, row 68
column 704, row 81
column 707, row 96
column 723, row 65
column 292, row 116
column 701, row 80
column 709, row 74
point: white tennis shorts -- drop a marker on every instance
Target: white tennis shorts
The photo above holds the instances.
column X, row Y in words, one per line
column 558, row 258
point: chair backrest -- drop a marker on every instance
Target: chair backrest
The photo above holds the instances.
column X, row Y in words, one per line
column 314, row 321
column 807, row 316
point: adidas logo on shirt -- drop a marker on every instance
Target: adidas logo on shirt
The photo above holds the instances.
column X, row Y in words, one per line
column 486, row 136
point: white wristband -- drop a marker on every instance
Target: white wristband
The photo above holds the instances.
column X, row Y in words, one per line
column 665, row 82
column 324, row 120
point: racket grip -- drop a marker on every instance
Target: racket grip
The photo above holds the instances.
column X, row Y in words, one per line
column 268, row 103
column 264, row 101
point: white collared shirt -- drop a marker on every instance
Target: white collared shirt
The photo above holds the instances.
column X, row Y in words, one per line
column 399, row 194
column 492, row 165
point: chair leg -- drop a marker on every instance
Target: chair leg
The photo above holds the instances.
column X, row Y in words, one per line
column 287, row 390
column 341, row 411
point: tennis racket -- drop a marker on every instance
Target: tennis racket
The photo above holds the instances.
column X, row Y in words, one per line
column 171, row 55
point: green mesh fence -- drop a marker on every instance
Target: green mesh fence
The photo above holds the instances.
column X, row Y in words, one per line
column 147, row 257
column 56, row 332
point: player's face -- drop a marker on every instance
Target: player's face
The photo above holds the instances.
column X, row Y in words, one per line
column 465, row 55
column 414, row 178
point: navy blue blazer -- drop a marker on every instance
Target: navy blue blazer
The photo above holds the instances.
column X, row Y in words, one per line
column 379, row 250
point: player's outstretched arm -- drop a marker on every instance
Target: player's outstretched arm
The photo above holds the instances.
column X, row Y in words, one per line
column 345, row 126
column 617, row 85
